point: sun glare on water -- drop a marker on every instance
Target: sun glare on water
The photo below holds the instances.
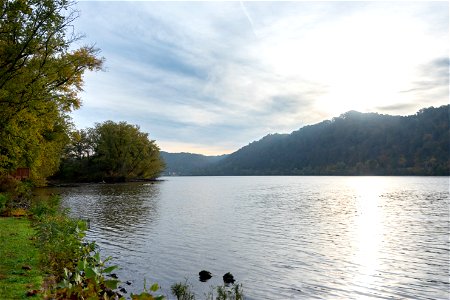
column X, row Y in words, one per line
column 369, row 229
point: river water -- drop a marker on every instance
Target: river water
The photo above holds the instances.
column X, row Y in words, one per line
column 281, row 237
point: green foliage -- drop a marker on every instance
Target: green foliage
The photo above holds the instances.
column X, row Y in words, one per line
column 233, row 292
column 123, row 151
column 74, row 264
column 45, row 206
column 226, row 292
column 3, row 200
column 180, row 164
column 111, row 152
column 40, row 77
column 148, row 293
column 88, row 280
column 182, row 291
column 59, row 239
column 16, row 196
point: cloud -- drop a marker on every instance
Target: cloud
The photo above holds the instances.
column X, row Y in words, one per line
column 218, row 75
column 431, row 86
column 399, row 108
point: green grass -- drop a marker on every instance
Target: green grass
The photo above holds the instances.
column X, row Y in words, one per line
column 17, row 254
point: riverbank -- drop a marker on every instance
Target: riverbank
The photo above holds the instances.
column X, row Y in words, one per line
column 20, row 275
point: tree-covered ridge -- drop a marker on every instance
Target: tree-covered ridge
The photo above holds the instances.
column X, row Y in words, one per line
column 179, row 164
column 351, row 144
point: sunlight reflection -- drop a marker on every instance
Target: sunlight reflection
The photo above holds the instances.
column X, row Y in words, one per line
column 369, row 227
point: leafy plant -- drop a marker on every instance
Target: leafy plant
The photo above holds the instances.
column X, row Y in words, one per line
column 48, row 206
column 88, row 281
column 60, row 241
column 148, row 292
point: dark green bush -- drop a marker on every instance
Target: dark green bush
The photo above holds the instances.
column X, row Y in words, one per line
column 3, row 200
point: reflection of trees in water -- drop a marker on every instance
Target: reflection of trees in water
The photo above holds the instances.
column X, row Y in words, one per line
column 126, row 206
column 118, row 207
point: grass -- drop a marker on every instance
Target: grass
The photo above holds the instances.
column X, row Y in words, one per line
column 19, row 260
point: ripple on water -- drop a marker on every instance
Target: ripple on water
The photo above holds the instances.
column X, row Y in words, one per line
column 282, row 237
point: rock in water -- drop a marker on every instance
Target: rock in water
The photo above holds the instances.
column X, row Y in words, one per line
column 228, row 278
column 204, row 275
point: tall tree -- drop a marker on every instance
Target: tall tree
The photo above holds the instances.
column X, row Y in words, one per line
column 40, row 78
column 123, row 152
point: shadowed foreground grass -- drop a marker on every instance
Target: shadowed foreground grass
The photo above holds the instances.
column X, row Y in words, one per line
column 19, row 263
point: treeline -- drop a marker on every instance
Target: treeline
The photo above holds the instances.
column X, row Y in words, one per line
column 180, row 164
column 110, row 152
column 351, row 144
column 41, row 75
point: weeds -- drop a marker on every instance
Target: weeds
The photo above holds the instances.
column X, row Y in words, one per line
column 182, row 291
column 226, row 292
column 233, row 292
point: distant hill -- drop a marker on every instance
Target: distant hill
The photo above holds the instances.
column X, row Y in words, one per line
column 352, row 144
column 180, row 164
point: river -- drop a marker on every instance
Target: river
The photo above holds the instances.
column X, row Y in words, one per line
column 281, row 237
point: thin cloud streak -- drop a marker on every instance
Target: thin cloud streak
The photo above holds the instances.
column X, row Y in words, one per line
column 218, row 75
column 244, row 10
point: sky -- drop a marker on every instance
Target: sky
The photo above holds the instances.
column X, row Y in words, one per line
column 211, row 77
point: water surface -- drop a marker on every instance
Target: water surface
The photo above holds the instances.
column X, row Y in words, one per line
column 281, row 237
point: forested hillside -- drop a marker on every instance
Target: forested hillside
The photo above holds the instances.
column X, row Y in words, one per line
column 351, row 144
column 179, row 164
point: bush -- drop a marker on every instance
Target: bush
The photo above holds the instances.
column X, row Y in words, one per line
column 16, row 195
column 60, row 241
column 49, row 206
column 3, row 200
column 88, row 280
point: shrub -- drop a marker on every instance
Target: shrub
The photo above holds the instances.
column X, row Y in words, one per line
column 3, row 200
column 45, row 206
column 60, row 241
column 88, row 281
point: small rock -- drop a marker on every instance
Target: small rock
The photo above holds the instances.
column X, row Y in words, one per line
column 129, row 282
column 123, row 290
column 204, row 275
column 228, row 278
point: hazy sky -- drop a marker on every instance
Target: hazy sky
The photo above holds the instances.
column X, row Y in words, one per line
column 210, row 77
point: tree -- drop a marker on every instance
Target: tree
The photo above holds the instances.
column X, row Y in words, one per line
column 40, row 77
column 110, row 151
column 124, row 152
